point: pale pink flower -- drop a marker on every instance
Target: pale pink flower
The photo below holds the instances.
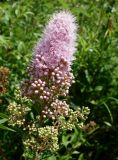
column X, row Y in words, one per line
column 57, row 45
column 49, row 70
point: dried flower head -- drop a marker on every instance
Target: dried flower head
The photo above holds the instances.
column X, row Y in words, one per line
column 4, row 73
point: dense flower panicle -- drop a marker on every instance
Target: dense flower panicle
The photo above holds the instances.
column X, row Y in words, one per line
column 49, row 71
column 56, row 47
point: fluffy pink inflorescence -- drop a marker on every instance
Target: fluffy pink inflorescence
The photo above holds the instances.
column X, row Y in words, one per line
column 57, row 45
column 49, row 70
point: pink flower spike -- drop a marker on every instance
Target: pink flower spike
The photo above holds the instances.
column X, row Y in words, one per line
column 49, row 71
column 57, row 45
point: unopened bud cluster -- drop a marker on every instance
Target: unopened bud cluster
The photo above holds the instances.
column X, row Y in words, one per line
column 46, row 139
column 74, row 118
column 57, row 108
column 17, row 114
column 49, row 87
column 40, row 138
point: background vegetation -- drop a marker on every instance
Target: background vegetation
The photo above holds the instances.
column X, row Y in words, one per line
column 95, row 68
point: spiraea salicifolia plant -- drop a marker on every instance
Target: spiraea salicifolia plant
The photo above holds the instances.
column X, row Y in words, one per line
column 47, row 87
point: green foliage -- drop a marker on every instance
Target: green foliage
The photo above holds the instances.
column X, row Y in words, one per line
column 3, row 120
column 95, row 69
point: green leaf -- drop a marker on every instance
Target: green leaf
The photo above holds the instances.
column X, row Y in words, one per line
column 2, row 115
column 52, row 158
column 115, row 99
column 21, row 46
column 64, row 4
column 108, row 124
column 81, row 157
column 108, row 109
column 6, row 128
column 3, row 120
column 98, row 88
column 88, row 77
